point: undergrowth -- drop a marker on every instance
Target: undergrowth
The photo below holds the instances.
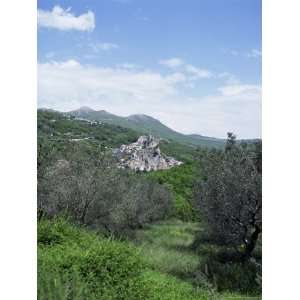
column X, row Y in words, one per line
column 78, row 264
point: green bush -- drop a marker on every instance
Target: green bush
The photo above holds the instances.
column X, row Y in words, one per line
column 183, row 209
column 180, row 181
column 61, row 286
column 56, row 232
column 72, row 261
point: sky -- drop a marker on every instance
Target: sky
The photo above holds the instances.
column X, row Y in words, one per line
column 193, row 64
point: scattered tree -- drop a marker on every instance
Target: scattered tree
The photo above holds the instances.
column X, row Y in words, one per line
column 94, row 192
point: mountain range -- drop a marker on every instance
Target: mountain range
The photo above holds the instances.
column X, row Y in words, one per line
column 146, row 125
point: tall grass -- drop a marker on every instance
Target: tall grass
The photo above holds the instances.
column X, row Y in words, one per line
column 175, row 266
column 165, row 247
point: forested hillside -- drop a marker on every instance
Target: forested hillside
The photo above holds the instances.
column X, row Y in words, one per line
column 147, row 125
column 58, row 127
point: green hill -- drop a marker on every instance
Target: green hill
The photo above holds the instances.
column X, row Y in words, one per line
column 61, row 128
column 145, row 125
column 60, row 131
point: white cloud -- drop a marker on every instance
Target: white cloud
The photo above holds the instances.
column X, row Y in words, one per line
column 172, row 62
column 69, row 64
column 190, row 85
column 238, row 89
column 68, row 85
column 215, row 115
column 230, row 79
column 128, row 66
column 97, row 47
column 191, row 71
column 63, row 19
column 198, row 73
column 175, row 78
column 254, row 53
column 232, row 52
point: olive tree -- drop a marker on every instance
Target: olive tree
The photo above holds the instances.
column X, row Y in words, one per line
column 228, row 195
column 94, row 192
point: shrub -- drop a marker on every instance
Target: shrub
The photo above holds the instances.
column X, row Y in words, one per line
column 180, row 181
column 56, row 231
column 79, row 262
column 183, row 209
column 225, row 269
column 65, row 286
column 235, row 275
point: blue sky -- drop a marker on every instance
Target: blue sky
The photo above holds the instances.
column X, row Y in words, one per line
column 194, row 64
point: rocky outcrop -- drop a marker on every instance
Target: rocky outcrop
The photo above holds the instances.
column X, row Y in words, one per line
column 144, row 155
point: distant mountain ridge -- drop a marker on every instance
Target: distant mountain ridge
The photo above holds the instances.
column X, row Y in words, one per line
column 146, row 125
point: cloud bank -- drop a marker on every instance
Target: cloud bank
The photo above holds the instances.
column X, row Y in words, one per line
column 233, row 107
column 63, row 19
